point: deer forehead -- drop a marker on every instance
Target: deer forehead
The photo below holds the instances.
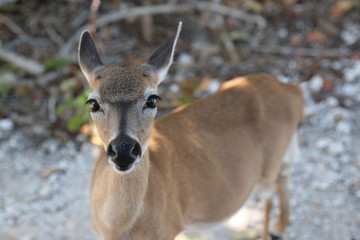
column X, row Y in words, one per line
column 118, row 83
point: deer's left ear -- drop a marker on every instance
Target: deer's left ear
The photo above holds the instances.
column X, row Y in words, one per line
column 163, row 57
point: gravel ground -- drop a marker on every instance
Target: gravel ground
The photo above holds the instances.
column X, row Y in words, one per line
column 44, row 187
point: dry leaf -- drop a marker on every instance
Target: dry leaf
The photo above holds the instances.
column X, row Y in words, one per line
column 341, row 8
column 315, row 36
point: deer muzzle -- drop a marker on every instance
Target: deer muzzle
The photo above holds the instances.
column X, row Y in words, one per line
column 123, row 151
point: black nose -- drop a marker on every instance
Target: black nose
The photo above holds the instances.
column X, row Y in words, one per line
column 123, row 151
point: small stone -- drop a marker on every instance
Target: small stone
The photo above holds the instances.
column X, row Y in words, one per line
column 6, row 125
column 343, row 127
column 352, row 73
column 322, row 143
column 316, row 83
column 351, row 34
column 186, row 59
column 336, row 148
column 50, row 146
column 213, row 86
column 174, row 88
column 332, row 102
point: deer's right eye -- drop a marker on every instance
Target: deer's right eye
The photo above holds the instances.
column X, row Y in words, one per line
column 94, row 105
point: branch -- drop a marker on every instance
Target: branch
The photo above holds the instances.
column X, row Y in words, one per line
column 292, row 51
column 4, row 2
column 22, row 62
column 230, row 12
column 125, row 13
column 95, row 4
column 48, row 78
column 13, row 27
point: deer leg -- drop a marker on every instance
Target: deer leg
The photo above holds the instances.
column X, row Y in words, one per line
column 283, row 195
column 267, row 211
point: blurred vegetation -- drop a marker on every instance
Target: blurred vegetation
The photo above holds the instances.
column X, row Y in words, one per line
column 298, row 40
column 54, row 64
column 76, row 110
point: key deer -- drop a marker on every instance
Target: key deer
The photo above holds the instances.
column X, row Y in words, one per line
column 198, row 164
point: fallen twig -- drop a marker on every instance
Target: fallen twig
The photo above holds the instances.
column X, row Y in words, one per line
column 308, row 52
column 29, row 65
column 95, row 4
column 229, row 47
column 14, row 27
column 124, row 13
column 147, row 25
column 52, row 104
column 231, row 12
column 47, row 78
column 54, row 36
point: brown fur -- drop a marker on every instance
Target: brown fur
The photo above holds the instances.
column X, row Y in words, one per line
column 203, row 160
column 121, row 83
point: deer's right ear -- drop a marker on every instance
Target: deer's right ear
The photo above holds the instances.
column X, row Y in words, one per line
column 88, row 56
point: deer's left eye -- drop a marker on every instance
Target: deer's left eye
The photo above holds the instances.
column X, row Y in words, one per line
column 94, row 105
column 151, row 101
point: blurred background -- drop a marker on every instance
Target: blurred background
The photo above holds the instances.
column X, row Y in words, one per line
column 47, row 144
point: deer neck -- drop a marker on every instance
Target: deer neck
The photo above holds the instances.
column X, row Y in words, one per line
column 125, row 195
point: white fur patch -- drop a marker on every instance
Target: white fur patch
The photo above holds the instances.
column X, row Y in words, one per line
column 94, row 95
column 149, row 91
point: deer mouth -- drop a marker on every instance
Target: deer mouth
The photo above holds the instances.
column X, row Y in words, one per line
column 124, row 168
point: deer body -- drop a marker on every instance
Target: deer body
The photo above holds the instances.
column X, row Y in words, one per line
column 198, row 164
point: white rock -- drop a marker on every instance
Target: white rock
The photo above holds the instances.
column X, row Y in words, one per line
column 358, row 193
column 336, row 148
column 343, row 127
column 6, row 125
column 336, row 65
column 351, row 34
column 214, row 86
column 283, row 33
column 50, row 145
column 323, row 143
column 283, row 78
column 332, row 101
column 174, row 88
column 350, row 90
column 352, row 73
column 185, row 58
column 316, row 83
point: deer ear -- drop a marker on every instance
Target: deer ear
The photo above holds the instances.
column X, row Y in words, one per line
column 88, row 56
column 163, row 56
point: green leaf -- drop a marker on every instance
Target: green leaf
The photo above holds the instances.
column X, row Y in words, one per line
column 54, row 64
column 185, row 100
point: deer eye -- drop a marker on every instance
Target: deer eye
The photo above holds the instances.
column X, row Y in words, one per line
column 94, row 105
column 151, row 101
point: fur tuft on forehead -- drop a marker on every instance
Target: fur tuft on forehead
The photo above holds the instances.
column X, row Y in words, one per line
column 119, row 83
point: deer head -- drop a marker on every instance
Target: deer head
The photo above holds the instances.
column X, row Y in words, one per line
column 123, row 100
